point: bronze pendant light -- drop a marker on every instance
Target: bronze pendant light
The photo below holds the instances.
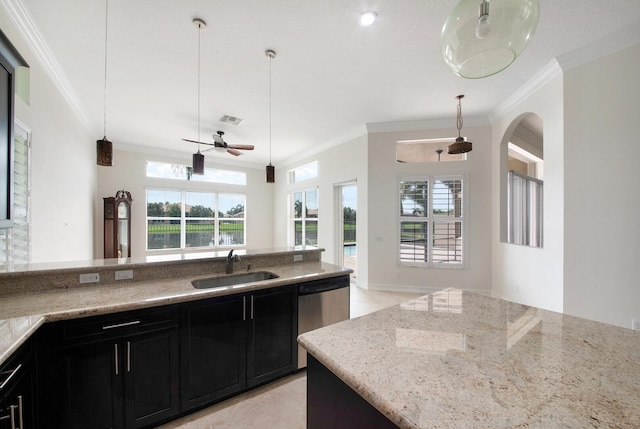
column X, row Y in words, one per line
column 271, row 170
column 460, row 146
column 198, row 158
column 104, row 147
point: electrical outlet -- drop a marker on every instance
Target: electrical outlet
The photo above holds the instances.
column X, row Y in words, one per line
column 124, row 274
column 635, row 324
column 297, row 258
column 90, row 278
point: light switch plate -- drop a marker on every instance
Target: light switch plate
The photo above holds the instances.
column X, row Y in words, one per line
column 297, row 258
column 635, row 324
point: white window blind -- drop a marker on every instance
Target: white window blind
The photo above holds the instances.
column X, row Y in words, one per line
column 432, row 221
column 524, row 216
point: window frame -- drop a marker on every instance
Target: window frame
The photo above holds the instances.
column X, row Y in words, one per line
column 433, row 219
column 183, row 219
column 303, row 219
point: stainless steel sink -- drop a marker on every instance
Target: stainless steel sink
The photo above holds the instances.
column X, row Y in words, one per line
column 233, row 279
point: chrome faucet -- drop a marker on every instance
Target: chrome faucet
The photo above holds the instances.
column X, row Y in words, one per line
column 230, row 259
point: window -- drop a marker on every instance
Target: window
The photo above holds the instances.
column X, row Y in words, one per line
column 304, row 217
column 165, row 170
column 524, row 196
column 306, row 172
column 524, row 215
column 186, row 219
column 432, row 221
column 433, row 150
column 15, row 242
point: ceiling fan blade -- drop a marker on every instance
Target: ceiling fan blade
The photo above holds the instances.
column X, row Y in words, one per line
column 241, row 146
column 233, row 151
column 196, row 141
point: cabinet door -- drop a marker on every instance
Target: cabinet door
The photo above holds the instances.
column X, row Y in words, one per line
column 17, row 399
column 91, row 390
column 212, row 350
column 151, row 368
column 272, row 348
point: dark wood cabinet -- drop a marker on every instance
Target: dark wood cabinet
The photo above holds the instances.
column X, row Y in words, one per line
column 236, row 342
column 212, row 349
column 117, row 225
column 17, row 400
column 271, row 346
column 115, row 371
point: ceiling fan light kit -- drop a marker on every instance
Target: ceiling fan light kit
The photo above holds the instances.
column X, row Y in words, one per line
column 483, row 37
column 460, row 145
column 104, row 148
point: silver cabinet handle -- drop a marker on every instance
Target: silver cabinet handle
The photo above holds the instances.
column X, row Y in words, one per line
column 244, row 308
column 116, row 356
column 13, row 374
column 13, row 416
column 128, row 356
column 120, row 325
column 20, row 419
column 251, row 307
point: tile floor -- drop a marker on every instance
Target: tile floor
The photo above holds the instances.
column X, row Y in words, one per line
column 281, row 404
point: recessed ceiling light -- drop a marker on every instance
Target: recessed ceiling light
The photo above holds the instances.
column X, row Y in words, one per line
column 367, row 18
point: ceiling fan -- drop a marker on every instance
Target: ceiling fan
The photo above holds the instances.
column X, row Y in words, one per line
column 218, row 142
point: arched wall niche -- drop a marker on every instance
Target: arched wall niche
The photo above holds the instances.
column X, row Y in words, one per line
column 525, row 132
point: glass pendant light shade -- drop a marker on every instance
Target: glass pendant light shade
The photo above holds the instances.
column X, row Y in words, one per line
column 483, row 37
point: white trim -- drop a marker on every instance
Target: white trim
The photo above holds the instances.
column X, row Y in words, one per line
column 424, row 124
column 619, row 41
column 21, row 18
column 545, row 75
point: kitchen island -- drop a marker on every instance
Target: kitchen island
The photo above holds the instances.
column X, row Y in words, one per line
column 455, row 359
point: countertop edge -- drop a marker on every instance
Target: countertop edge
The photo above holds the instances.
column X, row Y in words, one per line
column 34, row 321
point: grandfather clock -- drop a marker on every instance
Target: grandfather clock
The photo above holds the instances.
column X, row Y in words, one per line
column 117, row 225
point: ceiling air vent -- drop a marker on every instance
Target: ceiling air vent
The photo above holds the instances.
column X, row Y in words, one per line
column 231, row 120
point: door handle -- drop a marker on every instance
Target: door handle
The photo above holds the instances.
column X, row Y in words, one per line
column 20, row 407
column 251, row 307
column 115, row 354
column 244, row 308
column 13, row 374
column 120, row 325
column 128, row 356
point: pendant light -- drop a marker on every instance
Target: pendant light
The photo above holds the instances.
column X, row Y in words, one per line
column 483, row 37
column 104, row 147
column 198, row 158
column 271, row 170
column 460, row 146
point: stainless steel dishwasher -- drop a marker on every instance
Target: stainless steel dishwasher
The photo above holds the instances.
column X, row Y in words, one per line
column 321, row 303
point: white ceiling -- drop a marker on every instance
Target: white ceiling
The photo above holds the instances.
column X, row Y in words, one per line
column 329, row 79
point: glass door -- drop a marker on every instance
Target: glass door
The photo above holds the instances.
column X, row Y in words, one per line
column 346, row 239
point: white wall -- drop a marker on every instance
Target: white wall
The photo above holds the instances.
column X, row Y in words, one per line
column 63, row 166
column 129, row 173
column 385, row 273
column 523, row 274
column 345, row 162
column 602, row 199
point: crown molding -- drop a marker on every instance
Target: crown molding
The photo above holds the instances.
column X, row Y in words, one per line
column 424, row 124
column 336, row 141
column 546, row 74
column 22, row 20
column 623, row 39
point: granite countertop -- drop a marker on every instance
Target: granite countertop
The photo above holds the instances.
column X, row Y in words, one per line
column 456, row 359
column 21, row 314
